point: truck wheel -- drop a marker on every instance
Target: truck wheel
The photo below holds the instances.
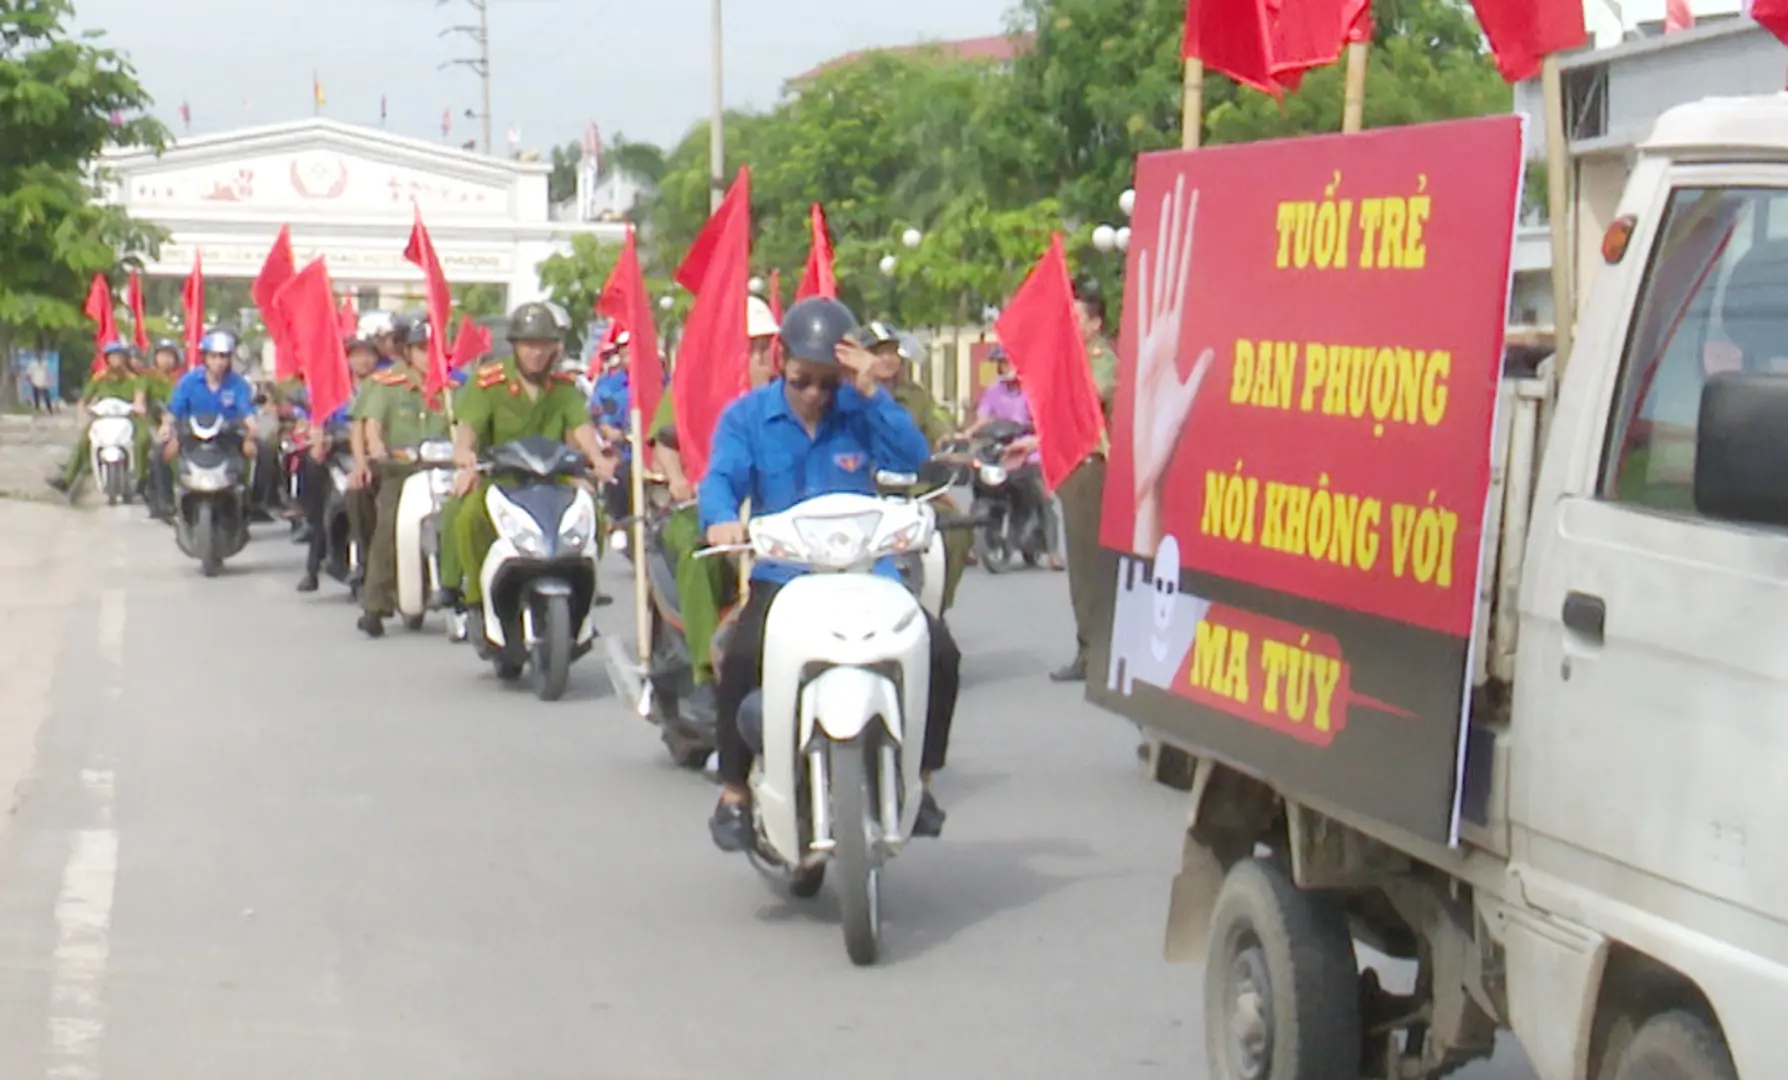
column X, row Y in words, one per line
column 1281, row 986
column 1676, row 1046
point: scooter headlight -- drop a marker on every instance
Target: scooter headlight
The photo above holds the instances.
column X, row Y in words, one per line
column 904, row 540
column 215, row 479
column 578, row 526
column 993, row 475
column 516, row 525
column 838, row 541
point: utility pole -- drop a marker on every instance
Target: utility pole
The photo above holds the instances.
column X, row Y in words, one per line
column 716, row 132
column 481, row 63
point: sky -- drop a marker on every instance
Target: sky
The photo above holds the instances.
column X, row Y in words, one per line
column 639, row 67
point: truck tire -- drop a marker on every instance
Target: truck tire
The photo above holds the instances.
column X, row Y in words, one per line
column 1281, row 987
column 1676, row 1046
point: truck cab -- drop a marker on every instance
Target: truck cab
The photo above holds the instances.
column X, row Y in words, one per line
column 1619, row 895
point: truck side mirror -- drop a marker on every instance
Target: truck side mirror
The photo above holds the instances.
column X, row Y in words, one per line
column 1741, row 449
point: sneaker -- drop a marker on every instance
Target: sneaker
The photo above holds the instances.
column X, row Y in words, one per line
column 372, row 625
column 730, row 827
column 930, row 821
column 1073, row 671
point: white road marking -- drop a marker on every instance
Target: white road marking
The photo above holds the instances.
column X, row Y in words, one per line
column 111, row 640
column 83, row 942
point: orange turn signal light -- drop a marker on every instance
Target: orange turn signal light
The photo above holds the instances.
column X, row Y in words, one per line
column 1615, row 240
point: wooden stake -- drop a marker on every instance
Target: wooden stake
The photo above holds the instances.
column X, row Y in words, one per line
column 1353, row 102
column 1559, row 174
column 1192, row 104
column 642, row 597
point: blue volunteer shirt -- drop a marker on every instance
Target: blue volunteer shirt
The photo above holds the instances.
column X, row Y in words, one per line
column 763, row 453
column 234, row 398
column 609, row 403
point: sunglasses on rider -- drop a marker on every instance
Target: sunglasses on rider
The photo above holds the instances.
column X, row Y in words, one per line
column 825, row 384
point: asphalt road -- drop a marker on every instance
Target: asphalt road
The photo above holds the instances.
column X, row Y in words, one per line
column 255, row 844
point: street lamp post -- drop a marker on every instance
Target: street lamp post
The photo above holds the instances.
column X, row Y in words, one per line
column 717, row 111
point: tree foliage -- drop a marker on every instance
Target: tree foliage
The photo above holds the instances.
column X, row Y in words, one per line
column 987, row 160
column 63, row 99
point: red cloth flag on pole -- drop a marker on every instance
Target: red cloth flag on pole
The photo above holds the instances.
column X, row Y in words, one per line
column 192, row 302
column 105, row 326
column 625, row 300
column 277, row 269
column 349, row 320
column 712, row 368
column 307, row 304
column 817, row 279
column 1233, row 37
column 469, row 344
column 1677, row 16
column 421, row 251
column 1524, row 32
column 1041, row 335
column 139, row 321
column 1772, row 15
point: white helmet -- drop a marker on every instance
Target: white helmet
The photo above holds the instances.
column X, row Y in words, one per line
column 759, row 322
column 376, row 324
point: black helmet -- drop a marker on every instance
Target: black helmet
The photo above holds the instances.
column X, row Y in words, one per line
column 400, row 326
column 812, row 329
column 419, row 333
column 169, row 345
column 877, row 332
column 534, row 322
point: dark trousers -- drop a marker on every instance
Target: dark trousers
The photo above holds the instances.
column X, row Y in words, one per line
column 41, row 400
column 1027, row 486
column 617, row 496
column 742, row 671
column 313, row 497
column 1083, row 497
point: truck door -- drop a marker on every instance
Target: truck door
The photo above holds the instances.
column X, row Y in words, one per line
column 1652, row 687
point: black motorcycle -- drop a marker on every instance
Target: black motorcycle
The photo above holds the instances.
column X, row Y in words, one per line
column 211, row 492
column 665, row 692
column 1006, row 500
column 342, row 559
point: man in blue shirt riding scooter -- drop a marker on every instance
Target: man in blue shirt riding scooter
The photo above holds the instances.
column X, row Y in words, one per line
column 826, row 426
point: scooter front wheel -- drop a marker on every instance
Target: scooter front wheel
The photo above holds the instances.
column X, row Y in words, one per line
column 205, row 540
column 552, row 651
column 858, row 877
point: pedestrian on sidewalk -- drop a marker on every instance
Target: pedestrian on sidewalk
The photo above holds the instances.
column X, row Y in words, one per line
column 37, row 376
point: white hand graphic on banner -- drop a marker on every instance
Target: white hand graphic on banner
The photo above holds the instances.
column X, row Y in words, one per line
column 1163, row 400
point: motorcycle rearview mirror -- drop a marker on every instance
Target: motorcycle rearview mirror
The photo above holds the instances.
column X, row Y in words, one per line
column 895, row 479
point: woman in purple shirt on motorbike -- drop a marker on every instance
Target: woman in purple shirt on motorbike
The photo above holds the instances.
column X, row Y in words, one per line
column 1005, row 400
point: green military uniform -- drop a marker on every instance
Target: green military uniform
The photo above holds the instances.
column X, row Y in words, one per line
column 1083, row 497
column 936, row 425
column 699, row 581
column 496, row 405
column 363, row 502
column 394, row 398
column 452, row 574
column 103, row 387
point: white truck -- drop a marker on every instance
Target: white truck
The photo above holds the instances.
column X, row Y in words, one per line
column 1619, row 899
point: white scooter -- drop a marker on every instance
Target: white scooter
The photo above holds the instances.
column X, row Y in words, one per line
column 111, row 449
column 837, row 726
column 419, row 537
column 539, row 578
column 922, row 570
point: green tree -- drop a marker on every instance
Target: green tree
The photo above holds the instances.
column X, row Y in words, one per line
column 479, row 301
column 561, row 183
column 574, row 280
column 63, row 99
column 643, row 161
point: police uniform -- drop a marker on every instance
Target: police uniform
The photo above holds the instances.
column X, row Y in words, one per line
column 935, row 423
column 109, row 386
column 700, row 582
column 497, row 406
column 394, row 399
column 1083, row 496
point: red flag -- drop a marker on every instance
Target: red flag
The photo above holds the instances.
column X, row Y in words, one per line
column 349, row 319
column 1040, row 334
column 712, row 368
column 1308, row 34
column 625, row 300
column 192, row 302
column 1524, row 32
column 139, row 321
column 307, row 304
column 421, row 251
column 817, row 279
column 105, row 326
column 276, row 270
column 1772, row 15
column 1677, row 16
column 472, row 342
column 701, row 250
column 1233, row 37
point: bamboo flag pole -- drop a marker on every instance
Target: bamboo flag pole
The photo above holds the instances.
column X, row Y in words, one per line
column 1353, row 101
column 1558, row 210
column 1191, row 104
column 642, row 598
